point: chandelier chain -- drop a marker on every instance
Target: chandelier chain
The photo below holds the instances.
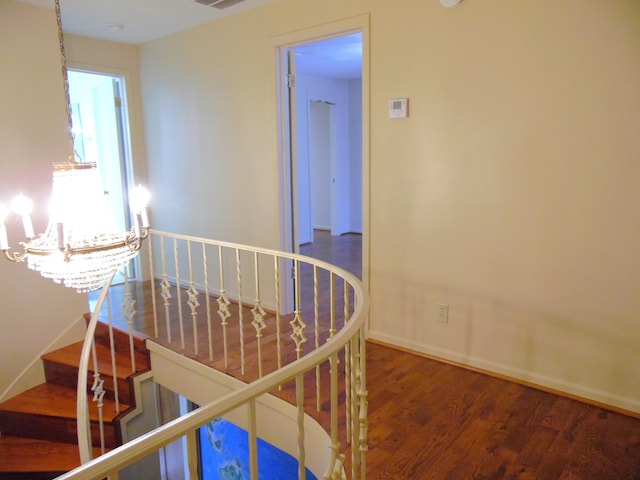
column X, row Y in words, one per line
column 65, row 81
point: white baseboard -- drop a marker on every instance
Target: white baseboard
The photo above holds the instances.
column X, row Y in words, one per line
column 530, row 378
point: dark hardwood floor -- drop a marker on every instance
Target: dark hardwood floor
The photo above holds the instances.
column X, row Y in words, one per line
column 432, row 420
column 345, row 251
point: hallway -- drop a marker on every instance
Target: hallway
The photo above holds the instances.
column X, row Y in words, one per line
column 344, row 251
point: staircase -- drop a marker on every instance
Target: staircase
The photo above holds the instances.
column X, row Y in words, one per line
column 229, row 305
column 38, row 438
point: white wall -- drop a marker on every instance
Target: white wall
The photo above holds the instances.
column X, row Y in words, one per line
column 321, row 156
column 33, row 136
column 510, row 193
column 355, row 156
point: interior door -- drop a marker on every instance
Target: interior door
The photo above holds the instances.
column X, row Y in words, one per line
column 293, row 148
column 108, row 119
column 288, row 173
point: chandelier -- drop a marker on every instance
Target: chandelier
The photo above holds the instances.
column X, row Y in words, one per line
column 81, row 246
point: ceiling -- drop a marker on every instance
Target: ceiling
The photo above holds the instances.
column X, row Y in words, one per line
column 338, row 57
column 140, row 21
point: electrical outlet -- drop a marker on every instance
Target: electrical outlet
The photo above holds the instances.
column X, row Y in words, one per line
column 443, row 313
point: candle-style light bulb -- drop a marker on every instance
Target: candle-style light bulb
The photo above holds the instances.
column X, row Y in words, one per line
column 23, row 206
column 139, row 199
column 55, row 215
column 4, row 242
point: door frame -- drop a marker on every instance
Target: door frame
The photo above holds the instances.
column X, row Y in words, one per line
column 284, row 43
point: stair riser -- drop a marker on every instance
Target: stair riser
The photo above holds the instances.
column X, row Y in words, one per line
column 121, row 343
column 52, row 428
column 67, row 376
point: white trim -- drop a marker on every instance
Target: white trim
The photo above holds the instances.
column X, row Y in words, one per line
column 137, row 395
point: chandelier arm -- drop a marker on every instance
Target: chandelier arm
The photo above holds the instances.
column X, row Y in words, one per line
column 135, row 238
column 15, row 257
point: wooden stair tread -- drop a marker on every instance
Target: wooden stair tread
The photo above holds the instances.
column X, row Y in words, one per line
column 70, row 356
column 21, row 455
column 55, row 401
column 38, row 427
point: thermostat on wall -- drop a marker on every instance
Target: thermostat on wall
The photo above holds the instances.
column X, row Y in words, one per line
column 399, row 108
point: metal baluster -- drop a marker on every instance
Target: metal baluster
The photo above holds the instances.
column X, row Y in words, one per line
column 297, row 324
column 316, row 319
column 336, row 461
column 300, row 405
column 192, row 455
column 258, row 314
column 223, row 309
column 353, row 388
column 193, row 300
column 253, row 441
column 276, row 266
column 240, row 313
column 347, row 377
column 208, row 299
column 363, row 396
column 355, row 413
column 98, row 394
column 166, row 290
column 178, row 291
column 153, row 288
column 128, row 312
column 113, row 354
column 332, row 306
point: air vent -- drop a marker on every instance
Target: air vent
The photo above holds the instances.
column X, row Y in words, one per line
column 218, row 3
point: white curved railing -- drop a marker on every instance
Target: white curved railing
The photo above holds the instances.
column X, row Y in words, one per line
column 289, row 316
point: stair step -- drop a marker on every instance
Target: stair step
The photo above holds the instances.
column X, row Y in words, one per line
column 48, row 411
column 122, row 343
column 26, row 458
column 38, row 439
column 61, row 368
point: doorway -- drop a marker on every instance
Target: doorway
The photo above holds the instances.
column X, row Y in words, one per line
column 101, row 136
column 326, row 129
column 286, row 46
